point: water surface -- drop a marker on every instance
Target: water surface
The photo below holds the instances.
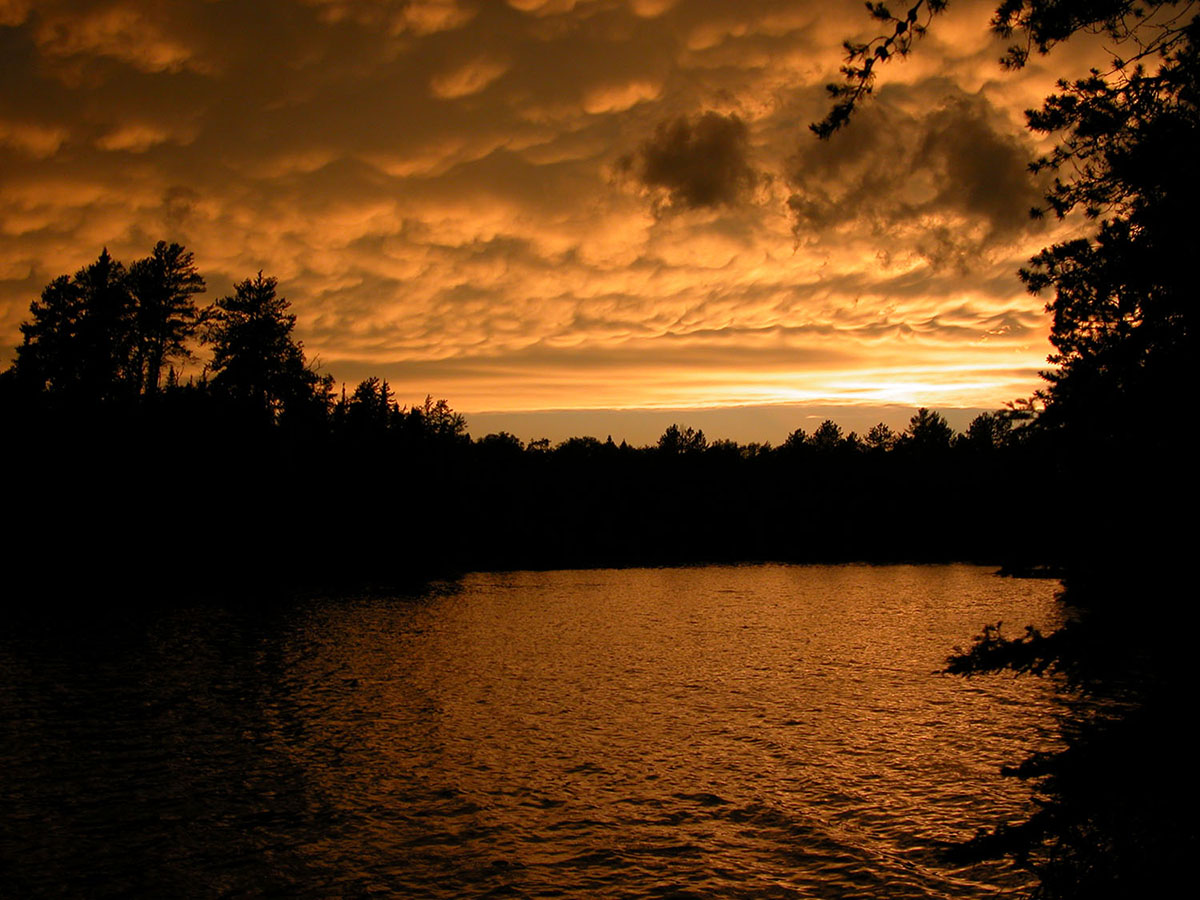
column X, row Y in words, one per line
column 743, row 731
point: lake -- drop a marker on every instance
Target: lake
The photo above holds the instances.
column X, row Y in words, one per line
column 731, row 731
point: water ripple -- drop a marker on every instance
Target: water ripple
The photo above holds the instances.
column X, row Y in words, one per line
column 770, row 731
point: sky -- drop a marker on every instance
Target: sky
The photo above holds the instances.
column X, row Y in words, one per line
column 563, row 216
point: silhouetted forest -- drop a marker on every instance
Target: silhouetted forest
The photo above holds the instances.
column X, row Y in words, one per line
column 258, row 464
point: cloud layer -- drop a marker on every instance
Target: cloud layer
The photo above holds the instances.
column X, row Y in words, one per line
column 543, row 203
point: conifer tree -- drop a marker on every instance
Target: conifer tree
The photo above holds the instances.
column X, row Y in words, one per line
column 166, row 319
column 256, row 363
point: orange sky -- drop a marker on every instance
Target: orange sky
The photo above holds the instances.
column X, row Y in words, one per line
column 549, row 204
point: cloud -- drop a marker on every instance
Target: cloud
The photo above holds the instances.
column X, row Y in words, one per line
column 127, row 32
column 945, row 179
column 463, row 81
column 700, row 162
column 650, row 9
column 32, row 139
column 430, row 16
column 543, row 7
column 420, row 17
column 610, row 98
column 135, row 137
column 14, row 12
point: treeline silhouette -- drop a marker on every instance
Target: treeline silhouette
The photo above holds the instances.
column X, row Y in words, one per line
column 130, row 474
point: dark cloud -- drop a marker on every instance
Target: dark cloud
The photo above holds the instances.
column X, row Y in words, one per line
column 949, row 183
column 179, row 202
column 697, row 162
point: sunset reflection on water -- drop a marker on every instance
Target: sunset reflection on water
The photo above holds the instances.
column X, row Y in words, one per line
column 721, row 731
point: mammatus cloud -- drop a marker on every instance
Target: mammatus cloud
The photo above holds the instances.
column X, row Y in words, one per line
column 468, row 79
column 32, row 139
column 420, row 17
column 946, row 179
column 650, row 9
column 695, row 162
column 133, row 34
column 135, row 137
